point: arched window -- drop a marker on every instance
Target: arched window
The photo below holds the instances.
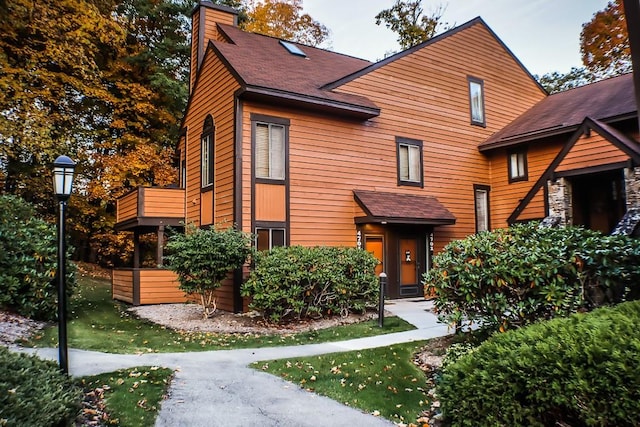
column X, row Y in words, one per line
column 207, row 152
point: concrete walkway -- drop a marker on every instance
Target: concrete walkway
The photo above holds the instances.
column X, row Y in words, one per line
column 216, row 388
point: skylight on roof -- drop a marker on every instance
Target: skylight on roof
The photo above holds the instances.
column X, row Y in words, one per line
column 293, row 49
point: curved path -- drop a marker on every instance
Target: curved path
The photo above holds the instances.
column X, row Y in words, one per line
column 216, row 388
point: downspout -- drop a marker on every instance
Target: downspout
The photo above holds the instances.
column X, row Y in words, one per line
column 632, row 16
column 238, row 305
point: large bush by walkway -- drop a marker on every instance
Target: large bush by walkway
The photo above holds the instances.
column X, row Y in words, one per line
column 298, row 282
column 28, row 261
column 578, row 371
column 34, row 392
column 512, row 277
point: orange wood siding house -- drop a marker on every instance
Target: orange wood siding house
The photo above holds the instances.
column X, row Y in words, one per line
column 302, row 146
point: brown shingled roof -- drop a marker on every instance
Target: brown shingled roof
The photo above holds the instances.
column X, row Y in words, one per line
column 563, row 112
column 402, row 208
column 266, row 68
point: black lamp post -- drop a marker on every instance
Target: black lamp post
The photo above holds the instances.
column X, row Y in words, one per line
column 63, row 169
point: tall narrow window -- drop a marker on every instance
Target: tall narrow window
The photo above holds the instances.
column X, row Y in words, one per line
column 517, row 163
column 409, row 152
column 476, row 101
column 270, row 151
column 268, row 238
column 206, row 153
column 482, row 207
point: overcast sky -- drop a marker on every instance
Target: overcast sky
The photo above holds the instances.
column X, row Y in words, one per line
column 543, row 34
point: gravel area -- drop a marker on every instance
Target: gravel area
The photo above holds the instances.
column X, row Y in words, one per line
column 188, row 317
column 13, row 327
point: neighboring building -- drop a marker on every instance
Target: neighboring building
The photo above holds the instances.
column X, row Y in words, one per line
column 302, row 146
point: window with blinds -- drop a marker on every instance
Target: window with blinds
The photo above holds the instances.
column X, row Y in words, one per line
column 206, row 152
column 409, row 161
column 207, row 160
column 517, row 161
column 270, row 151
column 476, row 101
column 482, row 207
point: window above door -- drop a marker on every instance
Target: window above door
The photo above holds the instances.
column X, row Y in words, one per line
column 409, row 162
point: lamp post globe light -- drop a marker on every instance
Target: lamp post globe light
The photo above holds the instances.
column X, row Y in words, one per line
column 63, row 170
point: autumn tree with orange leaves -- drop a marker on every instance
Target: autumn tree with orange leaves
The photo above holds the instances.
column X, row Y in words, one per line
column 284, row 19
column 604, row 42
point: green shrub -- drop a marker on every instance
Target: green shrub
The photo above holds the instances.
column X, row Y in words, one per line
column 581, row 370
column 299, row 282
column 203, row 258
column 28, row 261
column 512, row 277
column 34, row 392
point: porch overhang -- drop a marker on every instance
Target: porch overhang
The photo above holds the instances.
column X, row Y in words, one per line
column 393, row 208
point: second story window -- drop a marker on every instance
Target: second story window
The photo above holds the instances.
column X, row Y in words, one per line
column 206, row 153
column 270, row 151
column 409, row 152
column 476, row 101
column 517, row 164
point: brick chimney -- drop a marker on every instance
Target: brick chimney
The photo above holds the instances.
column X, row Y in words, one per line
column 204, row 27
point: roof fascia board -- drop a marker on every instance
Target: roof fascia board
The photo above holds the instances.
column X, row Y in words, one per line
column 532, row 136
column 342, row 107
column 210, row 48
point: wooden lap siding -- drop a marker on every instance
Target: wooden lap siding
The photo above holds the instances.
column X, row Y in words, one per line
column 425, row 96
column 215, row 96
column 159, row 286
column 590, row 151
column 122, row 285
column 127, row 207
column 505, row 196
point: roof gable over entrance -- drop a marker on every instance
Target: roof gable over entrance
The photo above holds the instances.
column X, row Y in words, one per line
column 594, row 147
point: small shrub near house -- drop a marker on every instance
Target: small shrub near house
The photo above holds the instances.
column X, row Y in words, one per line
column 512, row 277
column 577, row 371
column 34, row 392
column 298, row 282
column 28, row 261
column 203, row 258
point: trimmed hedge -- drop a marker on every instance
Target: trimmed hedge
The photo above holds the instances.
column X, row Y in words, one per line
column 34, row 392
column 300, row 282
column 512, row 277
column 28, row 261
column 580, row 371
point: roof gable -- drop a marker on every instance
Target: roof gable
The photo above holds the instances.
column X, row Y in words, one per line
column 608, row 148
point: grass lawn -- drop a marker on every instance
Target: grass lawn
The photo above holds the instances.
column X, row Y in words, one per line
column 132, row 397
column 98, row 323
column 381, row 381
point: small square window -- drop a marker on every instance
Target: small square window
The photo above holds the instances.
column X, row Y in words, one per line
column 476, row 101
column 409, row 152
column 517, row 164
column 269, row 238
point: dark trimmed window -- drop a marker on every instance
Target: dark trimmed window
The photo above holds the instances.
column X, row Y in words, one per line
column 476, row 101
column 481, row 202
column 268, row 238
column 517, row 165
column 270, row 138
column 409, row 161
column 206, row 153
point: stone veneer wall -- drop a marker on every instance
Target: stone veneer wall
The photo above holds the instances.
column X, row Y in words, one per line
column 560, row 205
column 632, row 187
